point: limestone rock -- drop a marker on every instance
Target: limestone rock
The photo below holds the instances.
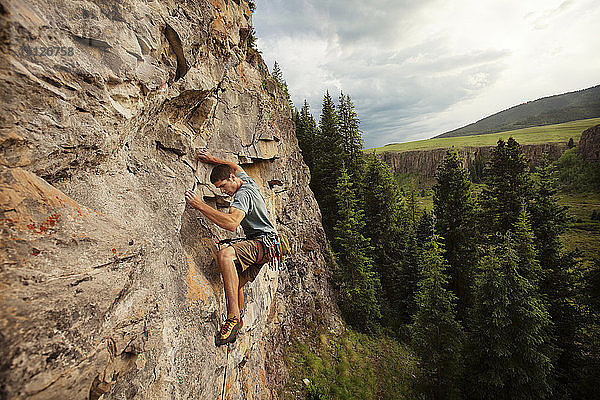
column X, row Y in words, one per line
column 108, row 282
column 426, row 162
column 589, row 144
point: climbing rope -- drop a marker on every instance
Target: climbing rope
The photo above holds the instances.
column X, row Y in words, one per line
column 225, row 374
column 219, row 242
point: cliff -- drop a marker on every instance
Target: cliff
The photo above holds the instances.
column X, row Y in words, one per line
column 425, row 162
column 589, row 144
column 108, row 282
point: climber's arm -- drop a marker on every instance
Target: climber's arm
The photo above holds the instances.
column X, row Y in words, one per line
column 229, row 221
column 206, row 157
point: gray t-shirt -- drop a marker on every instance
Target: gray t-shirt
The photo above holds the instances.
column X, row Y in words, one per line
column 249, row 199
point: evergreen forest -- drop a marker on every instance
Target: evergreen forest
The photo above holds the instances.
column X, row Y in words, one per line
column 480, row 294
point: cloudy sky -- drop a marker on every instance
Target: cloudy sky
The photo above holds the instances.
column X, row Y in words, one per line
column 418, row 68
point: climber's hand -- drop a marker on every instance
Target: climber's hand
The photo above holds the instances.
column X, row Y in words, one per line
column 206, row 157
column 193, row 199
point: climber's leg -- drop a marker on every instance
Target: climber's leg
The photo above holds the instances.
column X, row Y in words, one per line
column 231, row 280
column 249, row 258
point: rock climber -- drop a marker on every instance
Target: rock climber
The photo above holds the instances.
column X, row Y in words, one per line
column 240, row 261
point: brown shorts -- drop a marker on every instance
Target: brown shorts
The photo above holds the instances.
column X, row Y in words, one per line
column 251, row 256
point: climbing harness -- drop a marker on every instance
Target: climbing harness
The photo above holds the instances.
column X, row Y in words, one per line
column 273, row 246
column 230, row 241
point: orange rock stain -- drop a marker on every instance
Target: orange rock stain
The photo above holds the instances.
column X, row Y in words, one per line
column 198, row 287
column 272, row 310
column 45, row 227
column 47, row 201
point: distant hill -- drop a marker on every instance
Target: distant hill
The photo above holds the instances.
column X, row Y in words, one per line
column 555, row 133
column 556, row 109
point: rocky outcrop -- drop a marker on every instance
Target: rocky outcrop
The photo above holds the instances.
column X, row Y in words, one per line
column 425, row 162
column 589, row 144
column 108, row 282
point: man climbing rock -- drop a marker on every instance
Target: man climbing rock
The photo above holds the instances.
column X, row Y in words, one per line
column 240, row 261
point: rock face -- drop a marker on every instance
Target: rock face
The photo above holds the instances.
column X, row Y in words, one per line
column 108, row 281
column 425, row 162
column 589, row 144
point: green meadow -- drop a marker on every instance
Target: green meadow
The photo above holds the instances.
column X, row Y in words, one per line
column 351, row 365
column 534, row 135
column 582, row 234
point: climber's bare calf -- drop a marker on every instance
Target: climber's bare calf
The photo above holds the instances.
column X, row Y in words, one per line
column 231, row 281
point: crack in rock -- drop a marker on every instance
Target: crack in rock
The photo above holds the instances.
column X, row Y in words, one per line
column 177, row 48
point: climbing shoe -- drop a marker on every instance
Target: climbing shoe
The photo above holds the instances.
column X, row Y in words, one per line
column 229, row 331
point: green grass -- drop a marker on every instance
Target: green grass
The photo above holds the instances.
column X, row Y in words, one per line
column 581, row 205
column 584, row 233
column 534, row 135
column 416, row 191
column 351, row 366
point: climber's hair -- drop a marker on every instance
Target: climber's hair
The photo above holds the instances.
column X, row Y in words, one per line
column 220, row 173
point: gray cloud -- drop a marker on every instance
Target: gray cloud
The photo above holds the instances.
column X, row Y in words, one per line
column 350, row 21
column 542, row 19
column 408, row 64
column 390, row 87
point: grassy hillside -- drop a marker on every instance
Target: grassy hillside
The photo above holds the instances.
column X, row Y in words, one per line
column 557, row 109
column 350, row 366
column 535, row 135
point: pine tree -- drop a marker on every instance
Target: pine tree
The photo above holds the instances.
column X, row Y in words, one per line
column 548, row 218
column 358, row 281
column 349, row 130
column 282, row 84
column 477, row 167
column 508, row 353
column 523, row 238
column 563, row 285
column 506, row 188
column 557, row 277
column 251, row 40
column 586, row 369
column 436, row 335
column 411, row 200
column 454, row 207
column 411, row 268
column 387, row 226
column 307, row 134
column 425, row 227
column 328, row 161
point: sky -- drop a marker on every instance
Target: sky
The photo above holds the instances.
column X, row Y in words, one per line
column 417, row 68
